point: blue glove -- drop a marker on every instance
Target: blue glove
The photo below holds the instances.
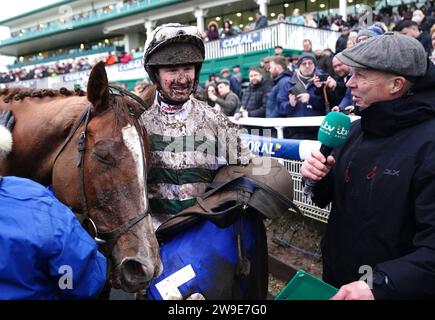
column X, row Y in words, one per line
column 7, row 119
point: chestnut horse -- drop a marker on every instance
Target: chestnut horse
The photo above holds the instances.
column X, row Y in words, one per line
column 93, row 150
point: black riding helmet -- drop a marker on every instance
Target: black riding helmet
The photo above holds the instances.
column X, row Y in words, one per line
column 174, row 44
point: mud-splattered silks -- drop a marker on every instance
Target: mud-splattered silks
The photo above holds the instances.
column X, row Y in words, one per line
column 187, row 149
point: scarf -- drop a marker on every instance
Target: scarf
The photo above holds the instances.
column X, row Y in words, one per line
column 305, row 80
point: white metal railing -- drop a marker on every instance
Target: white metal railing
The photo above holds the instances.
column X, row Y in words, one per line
column 308, row 208
column 286, row 35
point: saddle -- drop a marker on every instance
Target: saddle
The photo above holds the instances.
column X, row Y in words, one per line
column 264, row 186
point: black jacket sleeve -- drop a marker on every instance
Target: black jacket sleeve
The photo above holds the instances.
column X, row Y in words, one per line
column 413, row 276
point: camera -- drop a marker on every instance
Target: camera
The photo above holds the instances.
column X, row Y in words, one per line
column 296, row 90
column 323, row 77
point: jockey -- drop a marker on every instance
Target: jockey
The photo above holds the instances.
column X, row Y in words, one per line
column 45, row 253
column 189, row 140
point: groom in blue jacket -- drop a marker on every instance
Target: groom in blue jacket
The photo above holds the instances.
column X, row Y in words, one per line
column 45, row 253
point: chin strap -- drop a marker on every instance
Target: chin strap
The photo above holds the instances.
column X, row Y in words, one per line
column 168, row 105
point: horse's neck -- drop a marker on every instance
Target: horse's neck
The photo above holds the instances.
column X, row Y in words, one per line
column 39, row 131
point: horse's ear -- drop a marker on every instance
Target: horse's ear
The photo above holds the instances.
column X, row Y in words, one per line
column 97, row 91
column 148, row 95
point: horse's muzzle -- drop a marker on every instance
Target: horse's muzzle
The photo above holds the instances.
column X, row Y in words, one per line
column 136, row 275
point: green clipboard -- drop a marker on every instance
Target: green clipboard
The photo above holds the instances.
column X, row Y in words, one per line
column 304, row 286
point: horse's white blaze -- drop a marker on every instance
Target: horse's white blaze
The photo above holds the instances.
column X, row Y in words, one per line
column 5, row 142
column 132, row 141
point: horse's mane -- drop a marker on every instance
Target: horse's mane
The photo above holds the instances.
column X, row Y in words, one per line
column 19, row 93
column 120, row 107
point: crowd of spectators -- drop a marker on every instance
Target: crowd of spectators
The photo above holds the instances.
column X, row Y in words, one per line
column 68, row 66
column 406, row 19
column 312, row 83
column 387, row 16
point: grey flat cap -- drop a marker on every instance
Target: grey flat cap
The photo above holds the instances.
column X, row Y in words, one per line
column 393, row 53
column 224, row 81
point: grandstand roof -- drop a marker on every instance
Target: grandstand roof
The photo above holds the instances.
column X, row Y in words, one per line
column 94, row 28
column 29, row 13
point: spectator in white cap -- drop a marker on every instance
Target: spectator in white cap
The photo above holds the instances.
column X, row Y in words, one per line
column 380, row 239
column 424, row 23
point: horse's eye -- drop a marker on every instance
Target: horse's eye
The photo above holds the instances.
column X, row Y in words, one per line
column 131, row 111
column 105, row 157
column 105, row 152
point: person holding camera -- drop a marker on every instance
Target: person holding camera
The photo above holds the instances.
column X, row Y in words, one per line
column 300, row 98
column 330, row 81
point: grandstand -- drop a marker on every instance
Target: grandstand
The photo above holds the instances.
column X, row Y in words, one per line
column 80, row 32
column 70, row 35
column 77, row 33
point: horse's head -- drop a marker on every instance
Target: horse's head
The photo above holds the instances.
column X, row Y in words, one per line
column 108, row 188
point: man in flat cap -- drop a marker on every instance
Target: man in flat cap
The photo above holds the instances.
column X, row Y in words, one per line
column 380, row 239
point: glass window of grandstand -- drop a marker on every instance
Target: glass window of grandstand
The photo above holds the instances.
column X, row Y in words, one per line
column 314, row 7
column 291, row 6
column 78, row 50
column 240, row 21
column 274, row 11
column 319, row 8
column 354, row 7
column 244, row 20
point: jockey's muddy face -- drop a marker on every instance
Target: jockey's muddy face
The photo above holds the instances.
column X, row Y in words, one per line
column 177, row 82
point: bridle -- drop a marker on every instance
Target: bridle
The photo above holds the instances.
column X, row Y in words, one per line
column 105, row 239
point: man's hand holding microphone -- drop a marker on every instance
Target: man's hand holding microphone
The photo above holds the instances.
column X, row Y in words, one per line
column 332, row 134
column 316, row 166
